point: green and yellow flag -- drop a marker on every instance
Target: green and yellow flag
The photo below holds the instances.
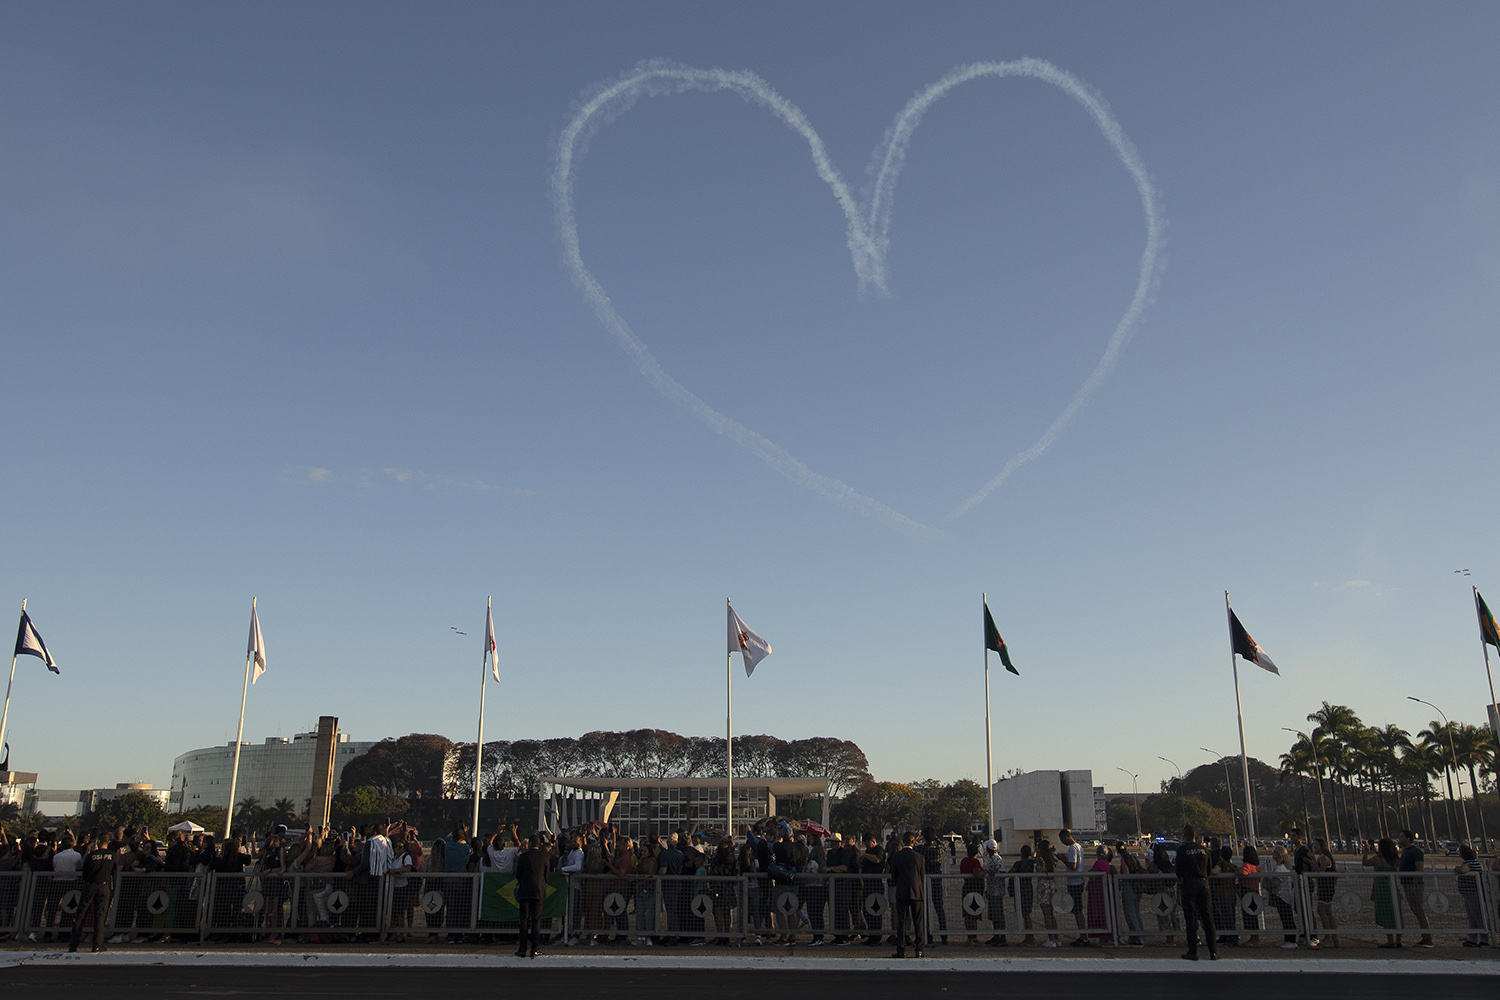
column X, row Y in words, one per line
column 1488, row 632
column 497, row 900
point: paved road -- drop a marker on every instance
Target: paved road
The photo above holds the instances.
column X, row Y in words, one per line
column 164, row 982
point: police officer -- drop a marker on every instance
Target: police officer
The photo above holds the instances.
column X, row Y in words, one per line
column 1192, row 870
column 100, row 865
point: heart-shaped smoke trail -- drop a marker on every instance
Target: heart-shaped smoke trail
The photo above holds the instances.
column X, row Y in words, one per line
column 867, row 240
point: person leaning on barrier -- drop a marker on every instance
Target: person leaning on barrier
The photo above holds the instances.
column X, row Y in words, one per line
column 1192, row 872
column 1413, row 860
column 1323, row 890
column 532, row 867
column 100, row 866
column 1468, row 871
column 909, row 877
column 994, row 892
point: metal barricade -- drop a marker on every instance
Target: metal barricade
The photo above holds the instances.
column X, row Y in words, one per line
column 823, row 906
column 151, row 904
column 433, row 903
column 271, row 904
column 702, row 907
column 1403, row 904
column 51, row 905
column 807, row 904
column 14, row 890
column 971, row 907
column 1150, row 907
column 1076, row 905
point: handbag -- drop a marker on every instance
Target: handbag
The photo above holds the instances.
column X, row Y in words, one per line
column 782, row 874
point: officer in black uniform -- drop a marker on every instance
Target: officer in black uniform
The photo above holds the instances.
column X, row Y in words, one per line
column 1192, row 870
column 100, row 866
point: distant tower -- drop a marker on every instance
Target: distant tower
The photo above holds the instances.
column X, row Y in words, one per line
column 322, row 786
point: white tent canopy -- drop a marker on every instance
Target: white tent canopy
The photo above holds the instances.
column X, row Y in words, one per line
column 187, row 826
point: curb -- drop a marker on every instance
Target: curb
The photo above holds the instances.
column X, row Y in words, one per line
column 1326, row 966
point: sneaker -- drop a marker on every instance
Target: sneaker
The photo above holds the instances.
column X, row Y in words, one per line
column 1289, row 945
column 815, row 943
column 697, row 944
column 571, row 942
column 1051, row 944
column 1190, row 956
column 843, row 944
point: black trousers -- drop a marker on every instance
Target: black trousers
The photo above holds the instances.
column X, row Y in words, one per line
column 531, row 925
column 96, row 895
column 1196, row 906
column 912, row 911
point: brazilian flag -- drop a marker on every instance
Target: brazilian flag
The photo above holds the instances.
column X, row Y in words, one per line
column 497, row 901
column 993, row 641
column 1488, row 632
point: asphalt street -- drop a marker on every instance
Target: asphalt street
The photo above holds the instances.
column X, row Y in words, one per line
column 157, row 982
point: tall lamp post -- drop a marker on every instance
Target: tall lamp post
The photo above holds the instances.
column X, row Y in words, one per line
column 1234, row 832
column 1468, row 834
column 1181, row 809
column 1134, row 794
column 1317, row 763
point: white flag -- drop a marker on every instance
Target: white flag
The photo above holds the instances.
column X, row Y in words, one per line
column 745, row 642
column 257, row 645
column 489, row 640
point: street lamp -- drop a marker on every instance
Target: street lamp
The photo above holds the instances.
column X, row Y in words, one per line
column 1135, row 795
column 1181, row 807
column 1468, row 834
column 1319, row 765
column 1234, row 832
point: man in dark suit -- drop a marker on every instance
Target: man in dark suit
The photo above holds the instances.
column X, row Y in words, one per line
column 909, row 875
column 532, row 867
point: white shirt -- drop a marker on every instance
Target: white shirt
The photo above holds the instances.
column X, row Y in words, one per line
column 381, row 855
column 575, row 861
column 1075, row 863
column 503, row 860
column 67, row 861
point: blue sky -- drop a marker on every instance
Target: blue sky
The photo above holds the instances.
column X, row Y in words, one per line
column 287, row 314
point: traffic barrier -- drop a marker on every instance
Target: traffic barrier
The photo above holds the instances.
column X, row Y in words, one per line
column 972, row 907
column 148, row 904
column 13, row 888
column 271, row 904
column 1077, row 905
column 1405, row 905
column 51, row 903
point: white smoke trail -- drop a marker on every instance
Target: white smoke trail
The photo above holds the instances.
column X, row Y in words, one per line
column 891, row 158
column 867, row 249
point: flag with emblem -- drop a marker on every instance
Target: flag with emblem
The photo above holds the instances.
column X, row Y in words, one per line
column 1246, row 646
column 490, row 649
column 256, row 648
column 993, row 641
column 29, row 643
column 1488, row 632
column 744, row 641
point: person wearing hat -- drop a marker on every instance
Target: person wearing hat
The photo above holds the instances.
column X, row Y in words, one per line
column 994, row 891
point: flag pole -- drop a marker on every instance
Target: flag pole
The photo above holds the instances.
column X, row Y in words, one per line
column 5, row 715
column 484, row 669
column 989, row 778
column 234, row 775
column 729, row 733
column 1483, row 646
column 1239, row 715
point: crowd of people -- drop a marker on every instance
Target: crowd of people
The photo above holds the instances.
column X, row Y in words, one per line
column 685, row 887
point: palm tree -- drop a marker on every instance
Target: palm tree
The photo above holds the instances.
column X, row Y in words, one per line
column 1296, row 762
column 283, row 810
column 1422, row 763
column 1439, row 736
column 1341, row 728
column 1474, row 746
column 1394, row 742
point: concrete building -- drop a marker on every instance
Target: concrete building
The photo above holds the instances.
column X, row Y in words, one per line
column 280, row 768
column 1035, row 804
column 642, row 807
column 52, row 802
column 15, row 786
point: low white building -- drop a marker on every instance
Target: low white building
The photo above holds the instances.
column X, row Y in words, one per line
column 53, row 802
column 280, row 768
column 1036, row 804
